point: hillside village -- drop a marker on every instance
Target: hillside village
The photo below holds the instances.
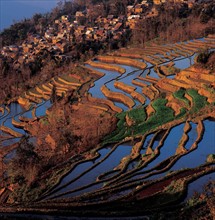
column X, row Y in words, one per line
column 60, row 37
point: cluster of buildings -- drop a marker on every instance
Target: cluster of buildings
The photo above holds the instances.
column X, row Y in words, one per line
column 64, row 33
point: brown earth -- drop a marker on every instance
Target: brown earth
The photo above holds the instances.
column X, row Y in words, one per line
column 71, row 129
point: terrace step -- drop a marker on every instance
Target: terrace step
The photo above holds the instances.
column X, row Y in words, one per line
column 24, row 102
column 32, row 98
column 97, row 106
column 34, row 93
column 129, row 55
column 122, row 60
column 104, row 101
column 210, row 95
column 149, row 78
column 106, row 66
column 94, row 72
column 148, row 91
column 165, row 85
column 130, row 90
column 2, row 110
column 48, row 87
column 179, row 83
column 175, row 106
column 10, row 131
column 187, row 96
column 18, row 124
column 124, row 87
column 69, row 81
column 180, row 53
column 149, row 110
column 148, row 59
column 41, row 90
column 200, row 131
column 138, row 83
column 117, row 96
column 181, row 146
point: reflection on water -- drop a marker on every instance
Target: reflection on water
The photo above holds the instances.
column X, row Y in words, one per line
column 198, row 185
column 41, row 109
column 199, row 155
column 192, row 134
column 108, row 165
column 153, row 74
column 96, row 89
column 17, row 110
column 170, row 145
column 184, row 63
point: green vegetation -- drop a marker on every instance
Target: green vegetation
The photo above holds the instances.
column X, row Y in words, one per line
column 203, row 57
column 183, row 111
column 199, row 101
column 162, row 115
column 209, row 88
column 137, row 114
column 173, row 70
column 180, row 95
column 211, row 158
column 44, row 121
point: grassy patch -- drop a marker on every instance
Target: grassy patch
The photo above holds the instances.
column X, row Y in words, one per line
column 180, row 95
column 138, row 115
column 199, row 101
column 209, row 88
column 162, row 115
column 183, row 111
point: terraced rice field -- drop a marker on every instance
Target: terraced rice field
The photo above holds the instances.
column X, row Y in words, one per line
column 31, row 106
column 164, row 134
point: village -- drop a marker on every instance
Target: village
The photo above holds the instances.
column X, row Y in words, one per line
column 60, row 37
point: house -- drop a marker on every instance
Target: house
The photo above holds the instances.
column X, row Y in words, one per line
column 80, row 17
column 48, row 35
column 5, row 51
column 64, row 18
column 153, row 13
column 61, row 35
column 117, row 27
column 79, row 14
column 36, row 38
column 107, row 26
column 190, row 3
column 30, row 59
column 62, row 46
column 130, row 8
column 100, row 34
column 21, row 59
column 81, row 29
column 133, row 17
column 121, row 18
column 138, row 9
column 14, row 48
column 144, row 2
column 110, row 17
column 157, row 2
column 57, row 21
column 13, row 55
